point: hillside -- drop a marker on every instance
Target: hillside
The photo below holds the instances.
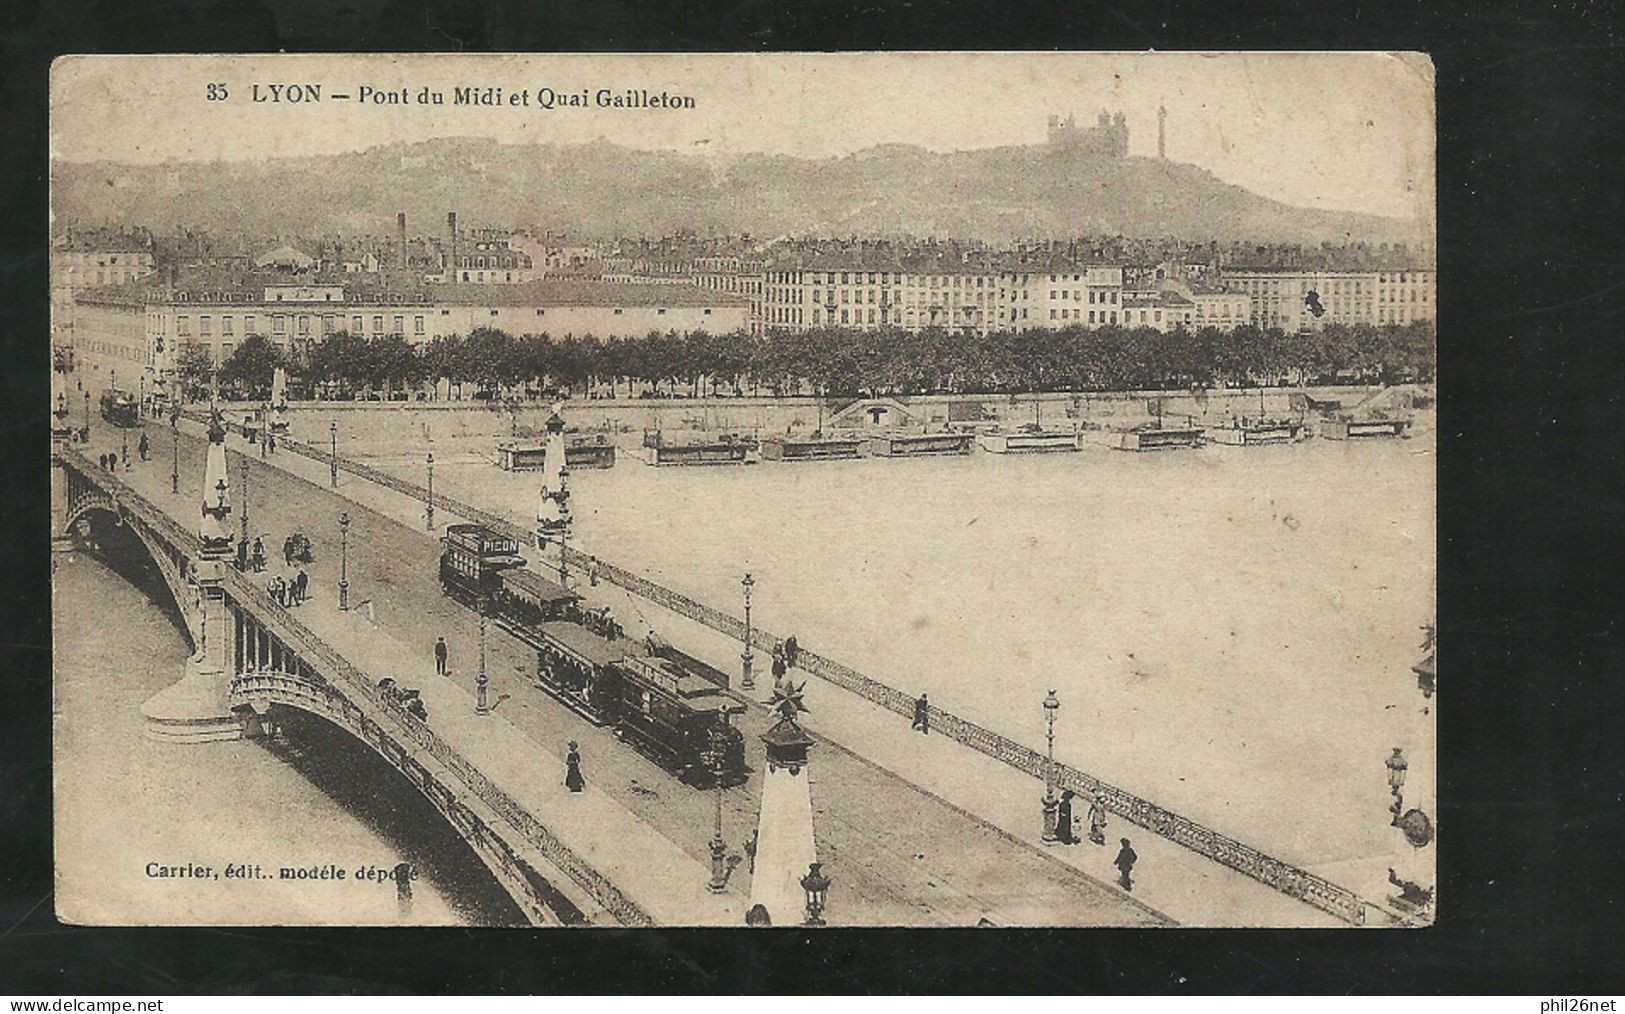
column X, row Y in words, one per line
column 601, row 189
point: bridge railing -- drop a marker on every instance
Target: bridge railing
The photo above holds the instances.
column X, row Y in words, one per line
column 325, row 659
column 1282, row 876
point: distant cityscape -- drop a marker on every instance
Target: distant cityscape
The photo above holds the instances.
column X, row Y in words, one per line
column 128, row 300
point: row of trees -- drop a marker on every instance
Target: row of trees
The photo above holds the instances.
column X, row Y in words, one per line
column 830, row 361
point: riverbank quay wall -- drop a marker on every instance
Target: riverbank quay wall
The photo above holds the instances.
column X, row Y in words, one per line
column 549, row 882
column 367, row 427
column 1277, row 874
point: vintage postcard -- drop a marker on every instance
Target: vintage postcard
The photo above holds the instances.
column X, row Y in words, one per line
column 932, row 489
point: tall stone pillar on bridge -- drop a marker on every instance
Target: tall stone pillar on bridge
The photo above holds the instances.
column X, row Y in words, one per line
column 784, row 832
column 197, row 709
column 553, row 501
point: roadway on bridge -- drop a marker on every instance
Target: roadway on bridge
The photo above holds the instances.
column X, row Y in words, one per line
column 899, row 854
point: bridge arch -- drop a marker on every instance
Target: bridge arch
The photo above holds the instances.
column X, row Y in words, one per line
column 172, row 563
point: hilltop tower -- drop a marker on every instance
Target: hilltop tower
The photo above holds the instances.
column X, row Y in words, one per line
column 1162, row 132
column 785, row 848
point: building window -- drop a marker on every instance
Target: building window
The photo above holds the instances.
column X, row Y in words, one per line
column 225, row 324
column 304, row 325
column 278, row 324
column 661, row 311
column 377, row 323
column 417, row 324
column 183, row 325
column 617, row 311
column 400, row 324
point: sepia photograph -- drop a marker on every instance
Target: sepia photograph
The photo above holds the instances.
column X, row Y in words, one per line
column 745, row 490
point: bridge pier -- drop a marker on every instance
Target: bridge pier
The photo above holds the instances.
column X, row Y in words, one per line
column 197, row 709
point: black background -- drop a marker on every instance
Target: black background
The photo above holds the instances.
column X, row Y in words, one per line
column 1530, row 300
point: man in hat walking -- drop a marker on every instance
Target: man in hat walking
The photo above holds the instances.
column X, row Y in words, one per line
column 440, row 657
column 1125, row 865
column 922, row 715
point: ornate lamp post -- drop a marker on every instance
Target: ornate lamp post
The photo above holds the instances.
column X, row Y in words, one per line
column 482, row 705
column 333, row 461
column 87, row 415
column 175, row 443
column 1397, row 766
column 817, row 887
column 430, row 513
column 265, row 438
column 748, row 681
column 243, row 514
column 716, row 755
column 61, row 413
column 1052, row 704
column 344, row 560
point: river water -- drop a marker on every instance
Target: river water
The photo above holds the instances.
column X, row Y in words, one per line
column 314, row 797
column 1230, row 630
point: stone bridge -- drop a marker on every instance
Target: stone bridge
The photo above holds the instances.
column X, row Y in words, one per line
column 251, row 657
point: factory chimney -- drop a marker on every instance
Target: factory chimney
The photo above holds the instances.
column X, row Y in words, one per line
column 400, row 225
column 451, row 264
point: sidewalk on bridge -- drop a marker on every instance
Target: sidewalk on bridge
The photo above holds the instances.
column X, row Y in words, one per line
column 1185, row 886
column 646, row 866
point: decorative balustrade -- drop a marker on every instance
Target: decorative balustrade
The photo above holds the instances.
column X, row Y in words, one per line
column 1282, row 876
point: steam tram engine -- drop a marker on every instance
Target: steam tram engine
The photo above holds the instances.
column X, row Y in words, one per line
column 664, row 702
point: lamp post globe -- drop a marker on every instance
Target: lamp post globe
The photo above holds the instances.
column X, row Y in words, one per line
column 1397, row 766
column 175, row 444
column 816, row 884
column 333, row 459
column 1052, row 806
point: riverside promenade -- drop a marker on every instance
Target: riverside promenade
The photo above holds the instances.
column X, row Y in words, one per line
column 1243, row 887
column 903, row 855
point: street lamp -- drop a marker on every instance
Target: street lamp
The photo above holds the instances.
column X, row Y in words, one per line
column 749, row 680
column 265, row 437
column 244, row 514
column 1397, row 766
column 333, row 462
column 344, row 560
column 1052, row 704
column 817, row 887
column 175, row 442
column 716, row 755
column 430, row 514
column 87, row 415
column 481, row 705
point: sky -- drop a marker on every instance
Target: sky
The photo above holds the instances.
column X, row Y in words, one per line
column 1336, row 131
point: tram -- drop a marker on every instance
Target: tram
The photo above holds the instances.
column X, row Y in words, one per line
column 120, row 409
column 665, row 703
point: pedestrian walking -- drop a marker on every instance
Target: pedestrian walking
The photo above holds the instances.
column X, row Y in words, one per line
column 242, row 556
column 301, row 585
column 270, row 443
column 287, row 551
column 922, row 715
column 143, row 447
column 440, row 657
column 1097, row 819
column 1063, row 819
column 259, row 554
column 1125, row 865
column 572, row 769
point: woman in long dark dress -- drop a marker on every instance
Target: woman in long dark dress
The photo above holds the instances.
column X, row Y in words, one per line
column 1063, row 820
column 572, row 769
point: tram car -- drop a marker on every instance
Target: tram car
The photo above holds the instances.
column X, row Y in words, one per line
column 662, row 701
column 120, row 409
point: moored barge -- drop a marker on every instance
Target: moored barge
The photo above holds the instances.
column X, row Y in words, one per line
column 1360, row 429
column 725, row 450
column 1257, row 432
column 1159, row 438
column 809, row 448
column 581, row 450
column 916, row 445
column 1027, row 440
